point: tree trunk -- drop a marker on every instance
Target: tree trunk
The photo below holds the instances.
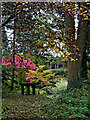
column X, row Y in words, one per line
column 74, row 67
column 84, row 67
column 13, row 69
column 0, row 67
column 84, row 72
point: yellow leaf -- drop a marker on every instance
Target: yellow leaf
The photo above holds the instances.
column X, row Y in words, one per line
column 30, row 27
column 85, row 11
column 19, row 11
column 47, row 34
column 71, row 39
column 41, row 30
column 86, row 18
column 23, row 3
column 88, row 3
column 69, row 9
column 45, row 28
column 72, row 59
column 65, row 58
column 24, row 8
column 29, row 55
column 81, row 13
column 43, row 35
column 63, row 41
column 1, row 3
column 77, row 48
column 18, row 5
column 76, row 59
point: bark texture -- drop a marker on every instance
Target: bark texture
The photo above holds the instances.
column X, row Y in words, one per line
column 74, row 67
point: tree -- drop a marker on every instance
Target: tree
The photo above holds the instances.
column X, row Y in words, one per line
column 85, row 59
column 5, row 43
column 0, row 66
column 74, row 67
column 37, row 34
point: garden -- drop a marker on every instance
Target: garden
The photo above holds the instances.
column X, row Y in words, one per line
column 44, row 45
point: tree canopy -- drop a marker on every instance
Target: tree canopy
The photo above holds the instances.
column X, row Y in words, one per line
column 43, row 28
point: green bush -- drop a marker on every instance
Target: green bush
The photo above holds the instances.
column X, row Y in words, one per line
column 6, row 74
column 69, row 106
column 62, row 72
column 4, row 109
column 7, row 89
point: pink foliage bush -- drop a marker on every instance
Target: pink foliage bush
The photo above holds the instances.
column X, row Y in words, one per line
column 19, row 63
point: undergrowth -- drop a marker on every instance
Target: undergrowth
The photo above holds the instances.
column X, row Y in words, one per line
column 69, row 106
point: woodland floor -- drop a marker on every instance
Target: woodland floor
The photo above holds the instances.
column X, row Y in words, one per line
column 25, row 107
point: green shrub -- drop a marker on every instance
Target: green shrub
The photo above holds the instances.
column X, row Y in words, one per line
column 69, row 106
column 62, row 72
column 6, row 74
column 7, row 89
column 4, row 109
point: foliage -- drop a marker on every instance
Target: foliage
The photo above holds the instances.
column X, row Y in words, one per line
column 21, row 66
column 40, row 76
column 20, row 62
column 4, row 109
column 6, row 87
column 42, row 28
column 6, row 74
column 6, row 80
column 35, row 24
column 62, row 72
column 56, row 89
column 71, row 105
column 89, row 74
column 5, row 43
column 88, row 65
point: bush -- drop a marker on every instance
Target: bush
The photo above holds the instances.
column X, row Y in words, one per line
column 69, row 106
column 21, row 66
column 4, row 108
column 63, row 72
column 40, row 76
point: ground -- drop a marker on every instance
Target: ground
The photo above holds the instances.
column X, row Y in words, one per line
column 25, row 107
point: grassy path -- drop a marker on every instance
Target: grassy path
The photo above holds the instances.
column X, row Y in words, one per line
column 25, row 107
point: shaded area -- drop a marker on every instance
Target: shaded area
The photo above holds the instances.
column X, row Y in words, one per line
column 24, row 107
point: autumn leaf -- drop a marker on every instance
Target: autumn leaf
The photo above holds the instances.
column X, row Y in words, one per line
column 18, row 11
column 77, row 48
column 72, row 59
column 24, row 8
